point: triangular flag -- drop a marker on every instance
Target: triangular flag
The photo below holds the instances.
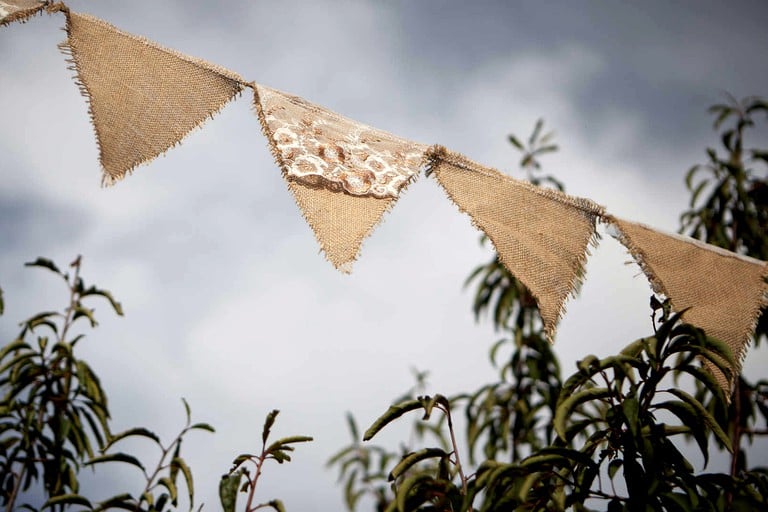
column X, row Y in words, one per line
column 724, row 291
column 18, row 10
column 143, row 98
column 540, row 235
column 344, row 175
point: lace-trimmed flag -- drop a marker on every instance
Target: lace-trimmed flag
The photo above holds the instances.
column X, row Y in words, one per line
column 344, row 175
column 18, row 10
column 143, row 98
column 724, row 291
column 540, row 235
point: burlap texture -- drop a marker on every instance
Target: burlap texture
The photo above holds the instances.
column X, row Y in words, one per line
column 724, row 291
column 18, row 10
column 143, row 98
column 340, row 221
column 541, row 236
column 341, row 212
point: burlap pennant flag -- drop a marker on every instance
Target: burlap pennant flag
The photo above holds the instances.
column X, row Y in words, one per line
column 344, row 175
column 541, row 236
column 724, row 291
column 18, row 10
column 143, row 98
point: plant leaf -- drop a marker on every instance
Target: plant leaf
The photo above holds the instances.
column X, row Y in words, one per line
column 565, row 409
column 228, row 488
column 116, row 457
column 704, row 415
column 414, row 458
column 394, row 412
column 138, row 432
column 268, row 422
column 68, row 499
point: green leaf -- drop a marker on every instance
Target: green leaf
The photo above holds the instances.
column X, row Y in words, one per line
column 228, row 488
column 44, row 263
column 414, row 458
column 203, row 426
column 67, row 499
column 40, row 318
column 352, row 426
column 116, row 457
column 81, row 312
column 16, row 361
column 705, row 416
column 277, row 505
column 123, row 501
column 103, row 293
column 516, row 142
column 171, row 486
column 706, row 378
column 536, row 131
column 551, row 455
column 187, row 410
column 525, row 485
column 565, row 409
column 689, row 176
column 178, row 463
column 133, row 432
column 631, row 409
column 281, row 443
column 2, row 304
column 149, row 498
column 411, row 486
column 281, row 456
column 547, row 149
column 394, row 412
column 591, row 366
column 335, row 458
column 613, row 467
column 17, row 344
column 268, row 422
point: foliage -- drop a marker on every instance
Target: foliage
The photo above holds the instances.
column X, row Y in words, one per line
column 617, row 434
column 231, row 482
column 729, row 194
column 729, row 208
column 160, row 492
column 54, row 419
column 607, row 419
column 53, row 409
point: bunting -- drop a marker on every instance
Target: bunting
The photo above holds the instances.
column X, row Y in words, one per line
column 18, row 10
column 541, row 235
column 343, row 174
column 143, row 98
column 724, row 291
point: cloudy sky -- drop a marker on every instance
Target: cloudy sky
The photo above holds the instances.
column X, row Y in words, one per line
column 228, row 302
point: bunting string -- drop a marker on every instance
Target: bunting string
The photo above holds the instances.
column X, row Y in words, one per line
column 144, row 99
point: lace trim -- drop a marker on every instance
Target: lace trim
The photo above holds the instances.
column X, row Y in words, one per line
column 320, row 148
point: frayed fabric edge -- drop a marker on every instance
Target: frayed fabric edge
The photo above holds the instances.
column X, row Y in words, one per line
column 658, row 286
column 24, row 15
column 344, row 267
column 438, row 155
column 109, row 179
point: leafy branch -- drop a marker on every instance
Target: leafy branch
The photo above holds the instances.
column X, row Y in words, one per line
column 278, row 451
